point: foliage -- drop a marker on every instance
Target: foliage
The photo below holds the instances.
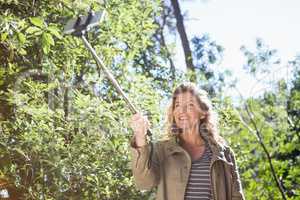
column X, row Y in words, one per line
column 207, row 56
column 64, row 128
column 266, row 121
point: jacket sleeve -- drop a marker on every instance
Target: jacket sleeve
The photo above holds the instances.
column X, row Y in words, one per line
column 237, row 191
column 145, row 178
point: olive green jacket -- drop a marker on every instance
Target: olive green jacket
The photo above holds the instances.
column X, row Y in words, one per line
column 170, row 171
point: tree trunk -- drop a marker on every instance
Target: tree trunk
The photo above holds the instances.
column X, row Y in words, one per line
column 183, row 36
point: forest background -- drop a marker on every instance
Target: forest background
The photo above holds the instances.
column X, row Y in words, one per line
column 64, row 129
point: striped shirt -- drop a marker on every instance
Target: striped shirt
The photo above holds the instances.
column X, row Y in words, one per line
column 198, row 187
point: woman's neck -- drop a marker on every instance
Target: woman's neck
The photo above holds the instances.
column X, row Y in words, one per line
column 191, row 137
column 193, row 143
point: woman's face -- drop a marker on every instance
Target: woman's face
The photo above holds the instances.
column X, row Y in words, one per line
column 187, row 112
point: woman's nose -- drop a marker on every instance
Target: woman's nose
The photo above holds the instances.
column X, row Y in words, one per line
column 183, row 109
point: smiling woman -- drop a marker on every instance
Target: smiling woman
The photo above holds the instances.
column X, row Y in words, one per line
column 194, row 162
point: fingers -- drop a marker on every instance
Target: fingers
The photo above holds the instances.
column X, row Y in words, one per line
column 139, row 124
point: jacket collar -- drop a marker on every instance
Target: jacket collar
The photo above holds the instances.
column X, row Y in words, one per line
column 218, row 152
column 173, row 147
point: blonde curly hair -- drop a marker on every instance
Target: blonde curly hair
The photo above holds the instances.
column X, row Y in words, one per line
column 208, row 128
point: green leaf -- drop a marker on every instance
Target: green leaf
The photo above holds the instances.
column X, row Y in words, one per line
column 21, row 37
column 4, row 36
column 33, row 30
column 22, row 52
column 37, row 22
column 48, row 39
column 54, row 31
column 46, row 49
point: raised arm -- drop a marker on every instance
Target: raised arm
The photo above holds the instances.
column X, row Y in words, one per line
column 145, row 178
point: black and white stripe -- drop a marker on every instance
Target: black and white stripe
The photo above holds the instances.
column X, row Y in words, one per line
column 198, row 187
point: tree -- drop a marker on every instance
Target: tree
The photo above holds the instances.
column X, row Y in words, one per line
column 260, row 128
column 63, row 132
column 183, row 36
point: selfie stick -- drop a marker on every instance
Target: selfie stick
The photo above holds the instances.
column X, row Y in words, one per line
column 79, row 27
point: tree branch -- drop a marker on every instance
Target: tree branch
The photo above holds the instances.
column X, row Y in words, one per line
column 257, row 133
